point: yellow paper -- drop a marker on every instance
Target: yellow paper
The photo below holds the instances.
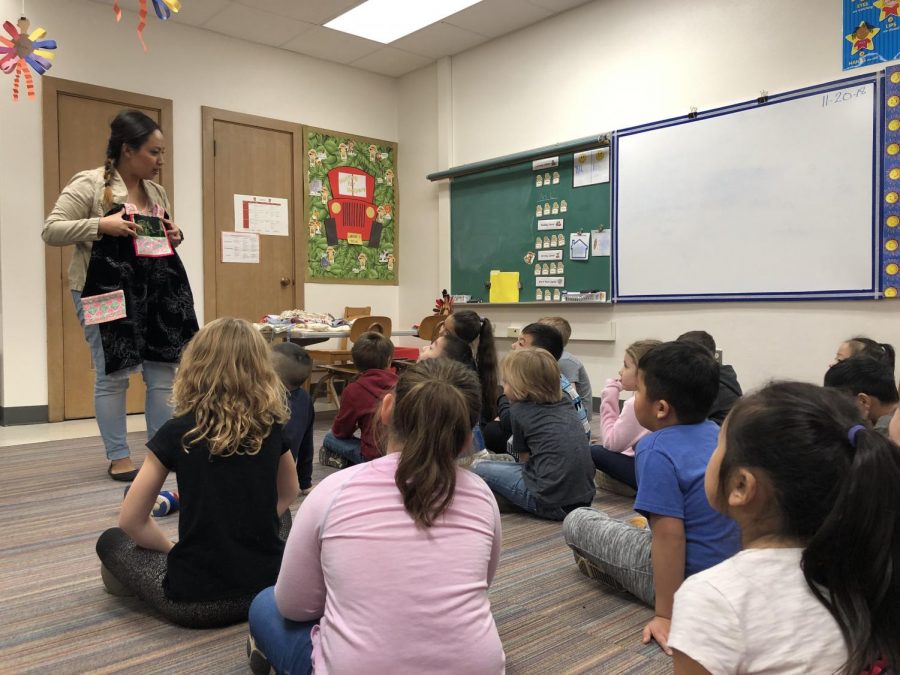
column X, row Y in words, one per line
column 504, row 286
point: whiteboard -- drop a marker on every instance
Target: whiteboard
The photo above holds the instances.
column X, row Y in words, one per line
column 752, row 201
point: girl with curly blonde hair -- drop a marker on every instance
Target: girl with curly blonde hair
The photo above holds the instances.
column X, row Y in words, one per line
column 236, row 480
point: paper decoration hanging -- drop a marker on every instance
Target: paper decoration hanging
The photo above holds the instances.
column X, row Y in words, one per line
column 163, row 8
column 23, row 49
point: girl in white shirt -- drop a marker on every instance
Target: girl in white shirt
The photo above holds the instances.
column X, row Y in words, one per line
column 817, row 586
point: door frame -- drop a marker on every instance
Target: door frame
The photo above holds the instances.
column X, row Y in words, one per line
column 57, row 278
column 210, row 243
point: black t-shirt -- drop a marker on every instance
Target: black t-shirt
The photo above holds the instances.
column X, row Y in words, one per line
column 228, row 543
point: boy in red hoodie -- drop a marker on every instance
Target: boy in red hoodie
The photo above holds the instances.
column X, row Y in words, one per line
column 372, row 354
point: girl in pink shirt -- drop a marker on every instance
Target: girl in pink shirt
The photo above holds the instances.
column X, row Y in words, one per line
column 388, row 563
column 621, row 430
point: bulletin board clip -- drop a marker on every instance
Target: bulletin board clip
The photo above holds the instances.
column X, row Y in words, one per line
column 692, row 115
column 763, row 97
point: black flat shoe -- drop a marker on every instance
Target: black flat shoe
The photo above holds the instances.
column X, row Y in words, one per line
column 124, row 476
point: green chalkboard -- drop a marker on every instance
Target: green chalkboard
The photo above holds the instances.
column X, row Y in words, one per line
column 494, row 225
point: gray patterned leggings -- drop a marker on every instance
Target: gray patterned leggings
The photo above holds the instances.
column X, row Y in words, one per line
column 611, row 551
column 141, row 571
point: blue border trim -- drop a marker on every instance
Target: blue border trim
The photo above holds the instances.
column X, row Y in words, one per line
column 876, row 79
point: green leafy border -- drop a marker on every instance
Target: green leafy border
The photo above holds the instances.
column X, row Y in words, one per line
column 345, row 267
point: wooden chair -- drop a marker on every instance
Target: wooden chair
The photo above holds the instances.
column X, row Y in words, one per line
column 429, row 326
column 346, row 372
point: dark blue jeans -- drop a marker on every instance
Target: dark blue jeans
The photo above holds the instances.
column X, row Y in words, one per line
column 506, row 479
column 286, row 644
column 348, row 448
column 615, row 465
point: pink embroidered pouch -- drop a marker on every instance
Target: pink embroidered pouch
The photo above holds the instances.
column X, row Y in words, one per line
column 103, row 308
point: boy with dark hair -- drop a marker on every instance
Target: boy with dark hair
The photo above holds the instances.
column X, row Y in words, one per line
column 871, row 382
column 293, row 365
column 569, row 365
column 677, row 384
column 371, row 354
column 729, row 387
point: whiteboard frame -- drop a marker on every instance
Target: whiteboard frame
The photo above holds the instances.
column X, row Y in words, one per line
column 873, row 292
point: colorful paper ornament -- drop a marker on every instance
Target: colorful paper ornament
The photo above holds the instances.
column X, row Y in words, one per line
column 163, row 8
column 23, row 49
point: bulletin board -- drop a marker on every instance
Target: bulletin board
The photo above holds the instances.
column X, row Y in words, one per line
column 494, row 225
column 352, row 208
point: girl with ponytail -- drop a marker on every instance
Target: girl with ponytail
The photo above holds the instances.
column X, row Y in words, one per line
column 388, row 563
column 478, row 333
column 817, row 586
column 90, row 213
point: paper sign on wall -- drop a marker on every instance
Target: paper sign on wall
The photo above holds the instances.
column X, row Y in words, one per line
column 240, row 247
column 555, row 224
column 579, row 246
column 552, row 282
column 504, row 286
column 263, row 215
column 550, row 255
column 591, row 167
column 601, row 243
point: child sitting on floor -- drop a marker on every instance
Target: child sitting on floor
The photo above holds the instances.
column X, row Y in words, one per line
column 871, row 383
column 730, row 391
column 677, row 384
column 817, row 586
column 235, row 478
column 372, row 353
column 570, row 366
column 557, row 473
column 388, row 565
column 293, row 365
column 620, row 428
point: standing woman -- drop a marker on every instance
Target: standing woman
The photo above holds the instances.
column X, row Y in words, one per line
column 134, row 157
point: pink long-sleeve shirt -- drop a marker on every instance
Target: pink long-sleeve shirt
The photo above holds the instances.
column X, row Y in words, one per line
column 621, row 430
column 391, row 596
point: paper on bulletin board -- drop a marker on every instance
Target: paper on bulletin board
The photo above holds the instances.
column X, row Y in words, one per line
column 240, row 247
column 263, row 215
column 591, row 167
column 553, row 254
column 579, row 246
column 601, row 243
column 504, row 286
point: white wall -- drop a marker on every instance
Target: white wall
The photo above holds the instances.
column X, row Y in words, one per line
column 617, row 63
column 193, row 68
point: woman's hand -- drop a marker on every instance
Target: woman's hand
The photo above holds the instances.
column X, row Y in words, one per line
column 115, row 225
column 174, row 232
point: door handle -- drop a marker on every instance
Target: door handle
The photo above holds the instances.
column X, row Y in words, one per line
column 285, row 281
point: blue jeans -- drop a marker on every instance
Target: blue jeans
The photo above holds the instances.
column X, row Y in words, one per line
column 110, row 391
column 615, row 465
column 348, row 448
column 507, row 480
column 286, row 644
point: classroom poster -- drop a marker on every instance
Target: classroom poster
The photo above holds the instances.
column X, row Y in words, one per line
column 871, row 32
column 352, row 208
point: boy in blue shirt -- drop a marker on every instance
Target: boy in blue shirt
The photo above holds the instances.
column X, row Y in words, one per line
column 677, row 385
column 293, row 365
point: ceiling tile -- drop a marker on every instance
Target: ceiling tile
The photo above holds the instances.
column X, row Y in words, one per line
column 311, row 11
column 256, row 26
column 392, row 62
column 439, row 39
column 494, row 18
column 332, row 45
column 558, row 5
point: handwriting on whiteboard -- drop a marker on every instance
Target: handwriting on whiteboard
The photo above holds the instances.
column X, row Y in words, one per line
column 836, row 97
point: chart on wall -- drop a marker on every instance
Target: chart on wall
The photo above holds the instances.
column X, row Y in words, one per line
column 352, row 209
column 871, row 32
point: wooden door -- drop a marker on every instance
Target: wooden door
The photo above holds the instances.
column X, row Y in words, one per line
column 247, row 155
column 76, row 129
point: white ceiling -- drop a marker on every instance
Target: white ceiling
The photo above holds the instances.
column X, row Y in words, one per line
column 297, row 25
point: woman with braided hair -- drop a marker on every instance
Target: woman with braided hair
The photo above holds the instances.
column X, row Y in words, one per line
column 104, row 212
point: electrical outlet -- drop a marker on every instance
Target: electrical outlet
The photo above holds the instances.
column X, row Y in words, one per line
column 512, row 332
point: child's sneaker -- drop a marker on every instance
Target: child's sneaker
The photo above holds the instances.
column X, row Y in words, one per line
column 259, row 664
column 167, row 502
column 488, row 456
column 604, row 482
column 330, row 458
column 591, row 571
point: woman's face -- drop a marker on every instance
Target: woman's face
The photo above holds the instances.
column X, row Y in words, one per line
column 843, row 353
column 628, row 374
column 147, row 161
column 432, row 351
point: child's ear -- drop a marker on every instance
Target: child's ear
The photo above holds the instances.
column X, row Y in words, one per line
column 864, row 402
column 387, row 407
column 742, row 488
column 662, row 409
